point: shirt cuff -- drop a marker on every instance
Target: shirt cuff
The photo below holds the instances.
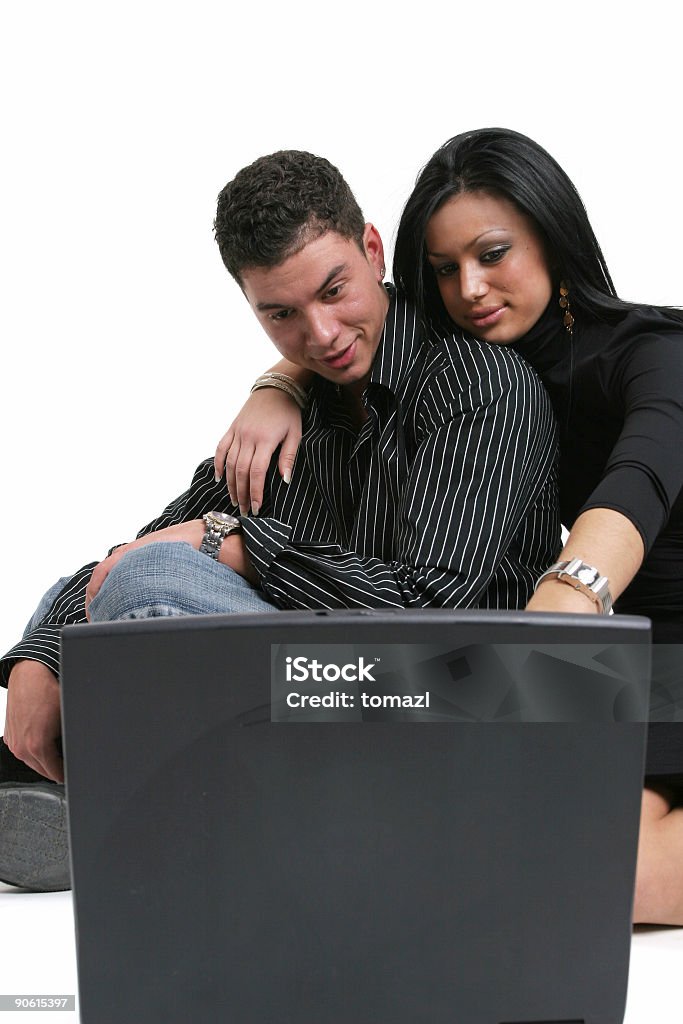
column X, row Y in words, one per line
column 40, row 645
column 264, row 540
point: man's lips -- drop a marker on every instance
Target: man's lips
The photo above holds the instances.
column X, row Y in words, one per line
column 488, row 316
column 341, row 359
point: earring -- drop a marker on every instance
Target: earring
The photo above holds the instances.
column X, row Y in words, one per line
column 382, row 272
column 568, row 318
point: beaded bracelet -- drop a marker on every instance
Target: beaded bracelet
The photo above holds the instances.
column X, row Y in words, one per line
column 294, row 384
column 283, row 383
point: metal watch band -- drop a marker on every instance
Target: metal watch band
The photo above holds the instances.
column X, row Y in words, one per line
column 218, row 527
column 586, row 578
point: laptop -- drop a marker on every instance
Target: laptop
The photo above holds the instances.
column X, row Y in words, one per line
column 355, row 817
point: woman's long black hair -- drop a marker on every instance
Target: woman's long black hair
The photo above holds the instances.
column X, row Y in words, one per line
column 504, row 163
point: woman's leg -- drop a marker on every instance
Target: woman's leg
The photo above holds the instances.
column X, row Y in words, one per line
column 659, row 875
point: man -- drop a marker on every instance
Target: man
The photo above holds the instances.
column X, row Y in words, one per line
column 425, row 477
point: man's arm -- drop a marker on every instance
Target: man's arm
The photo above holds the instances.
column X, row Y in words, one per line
column 30, row 670
column 487, row 447
column 32, row 721
column 232, row 553
column 42, row 643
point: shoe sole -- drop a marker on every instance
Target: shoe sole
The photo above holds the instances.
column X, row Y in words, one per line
column 34, row 840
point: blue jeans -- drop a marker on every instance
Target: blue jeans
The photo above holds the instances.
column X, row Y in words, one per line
column 158, row 579
column 172, row 578
column 165, row 578
column 45, row 603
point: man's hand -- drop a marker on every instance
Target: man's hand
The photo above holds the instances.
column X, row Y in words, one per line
column 192, row 533
column 232, row 554
column 33, row 719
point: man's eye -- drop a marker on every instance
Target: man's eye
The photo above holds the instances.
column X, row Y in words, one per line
column 333, row 292
column 494, row 255
column 282, row 314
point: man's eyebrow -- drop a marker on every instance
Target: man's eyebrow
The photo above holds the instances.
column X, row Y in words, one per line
column 263, row 307
column 331, row 276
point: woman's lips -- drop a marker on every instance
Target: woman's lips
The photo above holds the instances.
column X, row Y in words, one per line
column 487, row 317
column 344, row 358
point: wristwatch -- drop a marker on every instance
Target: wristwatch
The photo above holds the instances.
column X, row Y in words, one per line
column 585, row 578
column 218, row 526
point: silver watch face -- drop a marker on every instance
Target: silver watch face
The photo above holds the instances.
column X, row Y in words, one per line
column 586, row 574
column 222, row 519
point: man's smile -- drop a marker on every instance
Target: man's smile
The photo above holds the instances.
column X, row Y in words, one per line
column 341, row 359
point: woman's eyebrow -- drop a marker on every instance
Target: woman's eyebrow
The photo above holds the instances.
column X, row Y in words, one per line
column 489, row 231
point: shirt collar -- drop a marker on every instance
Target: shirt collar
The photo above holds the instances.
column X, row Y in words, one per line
column 402, row 338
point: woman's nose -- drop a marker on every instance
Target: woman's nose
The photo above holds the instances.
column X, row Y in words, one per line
column 473, row 284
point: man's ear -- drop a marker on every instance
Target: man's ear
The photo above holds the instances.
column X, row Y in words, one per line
column 374, row 249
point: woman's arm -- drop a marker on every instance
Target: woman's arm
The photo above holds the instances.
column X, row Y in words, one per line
column 642, row 367
column 269, row 417
column 604, row 539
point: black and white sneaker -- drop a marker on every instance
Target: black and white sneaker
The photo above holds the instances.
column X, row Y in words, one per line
column 34, row 841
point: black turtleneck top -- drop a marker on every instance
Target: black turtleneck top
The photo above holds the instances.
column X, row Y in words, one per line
column 617, row 390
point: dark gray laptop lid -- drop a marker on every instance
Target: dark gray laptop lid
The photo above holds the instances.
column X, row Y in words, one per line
column 241, row 856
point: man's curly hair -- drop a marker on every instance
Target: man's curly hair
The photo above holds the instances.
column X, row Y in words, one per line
column 273, row 207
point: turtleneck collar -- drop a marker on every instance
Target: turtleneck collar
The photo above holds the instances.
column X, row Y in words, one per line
column 547, row 343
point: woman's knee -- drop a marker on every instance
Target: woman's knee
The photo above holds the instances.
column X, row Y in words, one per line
column 659, row 870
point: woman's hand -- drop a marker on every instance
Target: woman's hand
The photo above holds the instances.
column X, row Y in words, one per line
column 268, row 418
column 555, row 596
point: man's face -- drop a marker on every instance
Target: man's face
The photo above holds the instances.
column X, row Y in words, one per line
column 324, row 307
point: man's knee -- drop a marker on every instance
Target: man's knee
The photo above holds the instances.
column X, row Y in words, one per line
column 152, row 580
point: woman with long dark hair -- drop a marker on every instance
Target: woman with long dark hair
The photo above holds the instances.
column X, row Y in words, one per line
column 495, row 239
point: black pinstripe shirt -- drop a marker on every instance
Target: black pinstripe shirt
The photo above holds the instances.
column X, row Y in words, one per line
column 445, row 497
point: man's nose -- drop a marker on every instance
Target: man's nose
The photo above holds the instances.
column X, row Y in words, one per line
column 473, row 283
column 323, row 328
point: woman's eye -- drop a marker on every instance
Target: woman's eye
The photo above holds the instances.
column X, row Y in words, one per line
column 446, row 270
column 494, row 255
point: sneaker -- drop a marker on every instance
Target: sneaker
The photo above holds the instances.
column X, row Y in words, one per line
column 34, row 842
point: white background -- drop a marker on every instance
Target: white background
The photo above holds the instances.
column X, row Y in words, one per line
column 126, row 348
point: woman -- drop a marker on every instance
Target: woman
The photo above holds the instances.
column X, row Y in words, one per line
column 495, row 239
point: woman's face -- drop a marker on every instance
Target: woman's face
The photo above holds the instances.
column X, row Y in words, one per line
column 490, row 266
